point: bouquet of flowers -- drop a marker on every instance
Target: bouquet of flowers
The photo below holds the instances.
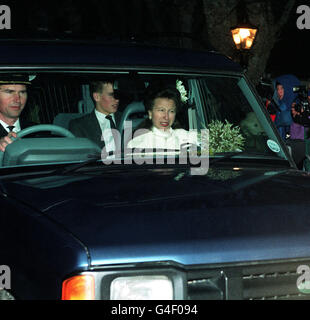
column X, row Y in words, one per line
column 223, row 137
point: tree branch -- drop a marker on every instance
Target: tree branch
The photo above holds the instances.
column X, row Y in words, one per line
column 286, row 12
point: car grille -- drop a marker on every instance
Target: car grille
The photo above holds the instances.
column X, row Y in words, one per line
column 261, row 280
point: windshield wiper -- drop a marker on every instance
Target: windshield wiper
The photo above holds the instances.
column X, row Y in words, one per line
column 93, row 158
column 71, row 167
column 118, row 157
column 223, row 156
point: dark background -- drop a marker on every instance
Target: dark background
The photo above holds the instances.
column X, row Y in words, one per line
column 120, row 20
column 291, row 54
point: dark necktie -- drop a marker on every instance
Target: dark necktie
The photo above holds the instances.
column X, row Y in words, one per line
column 115, row 136
column 109, row 117
column 10, row 128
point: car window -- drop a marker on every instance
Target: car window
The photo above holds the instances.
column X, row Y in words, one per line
column 218, row 112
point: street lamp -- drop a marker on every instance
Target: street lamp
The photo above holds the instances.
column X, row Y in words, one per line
column 243, row 36
column 244, row 33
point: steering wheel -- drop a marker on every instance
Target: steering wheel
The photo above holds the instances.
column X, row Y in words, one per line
column 39, row 128
column 45, row 127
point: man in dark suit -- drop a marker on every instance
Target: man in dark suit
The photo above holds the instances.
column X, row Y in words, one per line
column 13, row 98
column 97, row 125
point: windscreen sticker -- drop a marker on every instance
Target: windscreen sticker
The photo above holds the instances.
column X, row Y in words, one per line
column 273, row 146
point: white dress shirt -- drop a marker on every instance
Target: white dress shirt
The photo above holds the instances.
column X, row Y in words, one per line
column 16, row 126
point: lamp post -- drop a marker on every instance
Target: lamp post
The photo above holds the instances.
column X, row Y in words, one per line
column 244, row 34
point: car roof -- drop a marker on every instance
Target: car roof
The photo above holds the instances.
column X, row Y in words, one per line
column 46, row 52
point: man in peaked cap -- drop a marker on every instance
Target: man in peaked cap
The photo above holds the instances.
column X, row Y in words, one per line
column 13, row 98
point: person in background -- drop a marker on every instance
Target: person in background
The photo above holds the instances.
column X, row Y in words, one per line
column 282, row 102
column 286, row 118
column 299, row 130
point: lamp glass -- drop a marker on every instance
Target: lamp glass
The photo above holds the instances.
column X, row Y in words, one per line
column 243, row 37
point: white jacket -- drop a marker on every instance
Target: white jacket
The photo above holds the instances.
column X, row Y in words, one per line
column 159, row 139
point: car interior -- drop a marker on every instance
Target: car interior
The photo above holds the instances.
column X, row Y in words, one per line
column 55, row 98
column 53, row 101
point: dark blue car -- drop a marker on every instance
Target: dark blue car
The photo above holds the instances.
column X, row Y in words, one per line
column 224, row 218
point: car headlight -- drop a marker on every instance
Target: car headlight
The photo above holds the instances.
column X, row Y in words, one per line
column 149, row 287
column 127, row 283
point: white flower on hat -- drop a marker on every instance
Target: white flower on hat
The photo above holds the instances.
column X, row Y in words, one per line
column 180, row 87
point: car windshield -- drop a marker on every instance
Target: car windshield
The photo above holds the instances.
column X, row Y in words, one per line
column 64, row 119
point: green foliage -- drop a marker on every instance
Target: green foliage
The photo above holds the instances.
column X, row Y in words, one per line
column 224, row 137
